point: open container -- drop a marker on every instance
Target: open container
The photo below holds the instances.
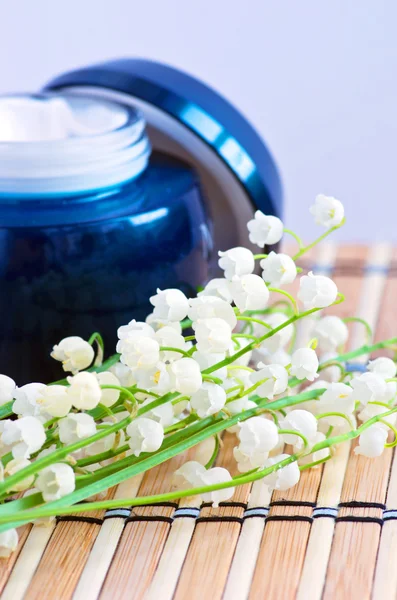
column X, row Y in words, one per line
column 87, row 257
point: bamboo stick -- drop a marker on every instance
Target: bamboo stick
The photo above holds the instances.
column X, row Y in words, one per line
column 368, row 302
column 142, row 542
column 248, row 547
column 6, row 565
column 28, row 561
column 64, row 558
column 385, row 581
column 104, row 548
column 211, row 550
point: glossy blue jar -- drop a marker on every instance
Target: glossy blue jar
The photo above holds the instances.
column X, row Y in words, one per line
column 87, row 235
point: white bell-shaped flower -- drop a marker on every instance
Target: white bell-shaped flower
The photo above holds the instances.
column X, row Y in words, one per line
column 330, row 332
column 84, row 391
column 108, row 397
column 278, row 269
column 156, row 323
column 135, row 329
column 145, row 434
column 258, row 436
column 7, row 389
column 218, row 287
column 189, row 475
column 249, row 292
column 337, row 398
column 187, row 377
column 56, row 481
column 168, row 337
column 26, row 436
column 55, row 401
column 368, row 387
column 371, row 442
column 304, row 364
column 12, row 467
column 390, row 393
column 283, row 479
column 382, row 366
column 206, row 360
column 301, row 421
column 159, row 379
column 26, row 399
column 279, row 339
column 139, row 352
column 124, row 374
column 208, row 307
column 243, row 360
column 76, row 427
column 163, row 414
column 317, row 291
column 8, row 542
column 170, row 304
column 212, row 477
column 213, row 335
column 75, row 354
column 327, row 211
column 318, row 454
column 105, row 444
column 275, row 380
column 208, row 400
column 281, row 357
column 373, row 410
column 265, row 229
column 193, row 474
column 236, row 261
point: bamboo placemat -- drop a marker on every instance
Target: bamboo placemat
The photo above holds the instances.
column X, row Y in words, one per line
column 333, row 536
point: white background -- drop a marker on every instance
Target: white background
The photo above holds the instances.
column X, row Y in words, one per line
column 316, row 77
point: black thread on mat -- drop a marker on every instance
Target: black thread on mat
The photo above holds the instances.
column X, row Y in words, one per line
column 292, row 503
column 165, row 504
column 289, row 518
column 149, row 518
column 81, row 519
column 231, row 504
column 352, row 519
column 220, row 520
column 357, row 504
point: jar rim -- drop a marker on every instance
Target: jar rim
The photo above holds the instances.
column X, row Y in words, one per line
column 80, row 163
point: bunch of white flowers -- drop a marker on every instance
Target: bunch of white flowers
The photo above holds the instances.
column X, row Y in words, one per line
column 225, row 360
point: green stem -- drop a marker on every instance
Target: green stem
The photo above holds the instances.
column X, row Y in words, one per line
column 252, row 320
column 363, row 322
column 317, row 240
column 287, row 295
column 171, row 349
column 214, row 454
column 295, row 236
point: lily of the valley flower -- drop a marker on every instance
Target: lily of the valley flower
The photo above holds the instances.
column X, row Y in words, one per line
column 304, row 364
column 249, row 292
column 75, row 354
column 317, row 291
column 145, row 434
column 265, row 229
column 278, row 269
column 327, row 211
column 237, row 261
column 170, row 304
column 56, row 481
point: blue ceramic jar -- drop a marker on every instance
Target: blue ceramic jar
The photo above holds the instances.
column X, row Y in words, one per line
column 91, row 223
column 89, row 227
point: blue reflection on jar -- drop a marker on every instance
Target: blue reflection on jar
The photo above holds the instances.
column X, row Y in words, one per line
column 75, row 262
